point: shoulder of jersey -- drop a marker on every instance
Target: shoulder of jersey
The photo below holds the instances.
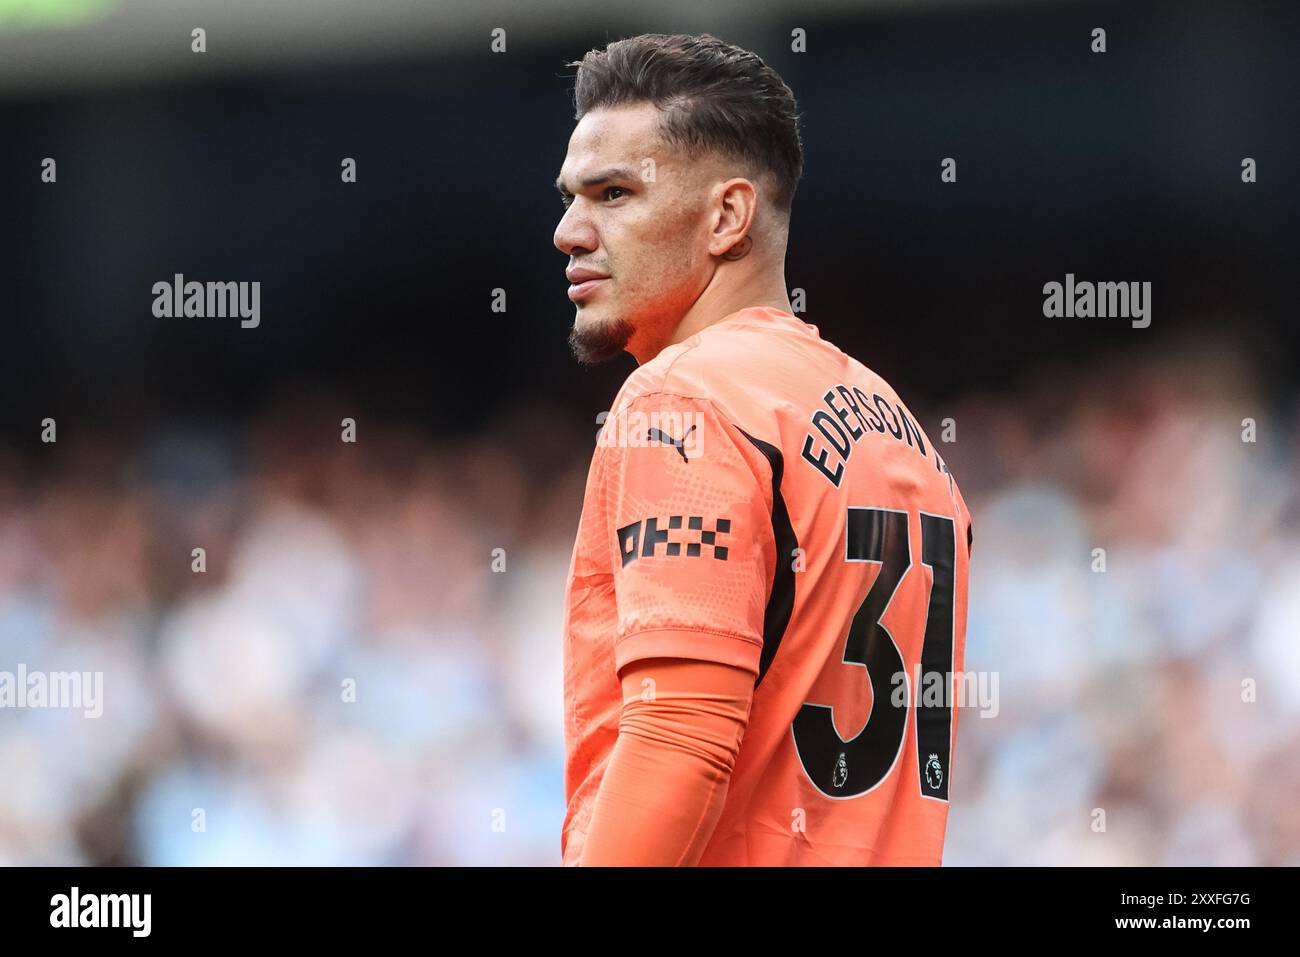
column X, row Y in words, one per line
column 706, row 366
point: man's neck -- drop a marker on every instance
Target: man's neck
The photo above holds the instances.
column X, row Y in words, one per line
column 709, row 309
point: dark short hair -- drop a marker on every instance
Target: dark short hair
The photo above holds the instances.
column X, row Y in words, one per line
column 714, row 97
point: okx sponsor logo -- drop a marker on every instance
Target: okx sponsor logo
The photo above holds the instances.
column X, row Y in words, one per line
column 691, row 536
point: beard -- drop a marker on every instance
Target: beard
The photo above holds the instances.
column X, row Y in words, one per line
column 598, row 342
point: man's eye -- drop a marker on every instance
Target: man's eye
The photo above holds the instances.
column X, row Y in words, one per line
column 567, row 201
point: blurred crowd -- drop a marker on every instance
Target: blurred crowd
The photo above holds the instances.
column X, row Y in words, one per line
column 367, row 669
column 1135, row 584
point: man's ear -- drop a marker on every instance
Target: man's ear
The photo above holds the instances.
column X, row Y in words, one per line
column 740, row 250
column 738, row 208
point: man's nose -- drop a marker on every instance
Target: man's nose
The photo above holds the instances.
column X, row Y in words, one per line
column 574, row 234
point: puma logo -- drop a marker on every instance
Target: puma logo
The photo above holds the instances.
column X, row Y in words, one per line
column 678, row 444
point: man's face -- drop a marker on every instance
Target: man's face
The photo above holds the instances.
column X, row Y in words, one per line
column 636, row 216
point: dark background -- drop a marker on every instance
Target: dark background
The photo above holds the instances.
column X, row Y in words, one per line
column 1120, row 166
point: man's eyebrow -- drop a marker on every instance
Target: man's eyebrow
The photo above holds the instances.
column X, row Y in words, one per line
column 595, row 179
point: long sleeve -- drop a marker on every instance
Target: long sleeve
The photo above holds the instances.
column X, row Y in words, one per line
column 667, row 778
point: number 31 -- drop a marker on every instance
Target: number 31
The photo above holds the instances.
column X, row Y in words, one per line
column 847, row 769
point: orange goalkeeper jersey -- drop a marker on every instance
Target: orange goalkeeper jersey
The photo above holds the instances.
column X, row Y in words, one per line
column 759, row 498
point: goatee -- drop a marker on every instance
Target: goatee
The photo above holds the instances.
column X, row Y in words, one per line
column 598, row 342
